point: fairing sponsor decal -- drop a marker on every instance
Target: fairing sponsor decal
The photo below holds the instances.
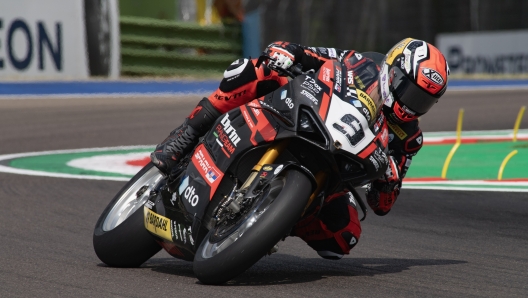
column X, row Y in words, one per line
column 207, row 169
column 157, row 224
column 167, row 229
column 226, row 136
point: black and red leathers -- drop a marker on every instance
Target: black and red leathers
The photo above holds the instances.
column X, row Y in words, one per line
column 335, row 229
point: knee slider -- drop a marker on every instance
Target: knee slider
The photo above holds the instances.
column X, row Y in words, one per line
column 239, row 73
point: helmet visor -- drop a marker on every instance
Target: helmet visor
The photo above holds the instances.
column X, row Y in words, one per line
column 409, row 94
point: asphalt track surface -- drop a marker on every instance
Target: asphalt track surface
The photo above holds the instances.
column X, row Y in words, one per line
column 433, row 243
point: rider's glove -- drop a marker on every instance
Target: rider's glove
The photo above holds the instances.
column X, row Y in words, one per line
column 282, row 58
column 383, row 192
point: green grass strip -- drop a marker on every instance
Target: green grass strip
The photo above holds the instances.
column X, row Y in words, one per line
column 475, row 161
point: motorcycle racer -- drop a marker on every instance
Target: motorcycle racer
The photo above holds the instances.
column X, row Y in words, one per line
column 411, row 79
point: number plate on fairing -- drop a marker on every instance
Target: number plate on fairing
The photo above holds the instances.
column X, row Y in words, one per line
column 348, row 126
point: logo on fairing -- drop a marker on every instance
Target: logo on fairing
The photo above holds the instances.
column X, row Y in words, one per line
column 310, row 96
column 227, row 136
column 284, row 93
column 338, row 80
column 190, row 196
column 310, row 84
column 350, row 78
column 326, row 74
column 156, row 221
column 210, row 172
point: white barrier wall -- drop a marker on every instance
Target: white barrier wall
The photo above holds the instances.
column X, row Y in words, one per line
column 42, row 39
column 501, row 52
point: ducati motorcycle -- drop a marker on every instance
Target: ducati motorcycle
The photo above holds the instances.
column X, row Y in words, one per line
column 251, row 178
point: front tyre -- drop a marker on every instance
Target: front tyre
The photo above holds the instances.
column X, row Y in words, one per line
column 120, row 238
column 226, row 252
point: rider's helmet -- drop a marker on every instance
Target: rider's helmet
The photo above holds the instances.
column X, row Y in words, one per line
column 413, row 77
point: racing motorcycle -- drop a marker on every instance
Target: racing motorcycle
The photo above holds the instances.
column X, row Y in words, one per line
column 258, row 171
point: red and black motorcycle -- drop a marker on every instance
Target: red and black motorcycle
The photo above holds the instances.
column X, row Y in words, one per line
column 251, row 177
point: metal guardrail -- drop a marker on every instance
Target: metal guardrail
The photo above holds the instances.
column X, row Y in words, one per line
column 159, row 47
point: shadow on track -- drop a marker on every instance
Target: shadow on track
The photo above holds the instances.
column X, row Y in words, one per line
column 288, row 269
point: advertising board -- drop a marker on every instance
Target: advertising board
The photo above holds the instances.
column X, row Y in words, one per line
column 491, row 53
column 42, row 39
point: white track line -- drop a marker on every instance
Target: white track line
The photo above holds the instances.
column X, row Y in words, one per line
column 440, row 185
column 6, row 169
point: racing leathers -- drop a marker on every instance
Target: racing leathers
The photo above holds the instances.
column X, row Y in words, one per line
column 334, row 228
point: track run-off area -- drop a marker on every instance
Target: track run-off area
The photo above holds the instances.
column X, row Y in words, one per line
column 63, row 156
column 475, row 167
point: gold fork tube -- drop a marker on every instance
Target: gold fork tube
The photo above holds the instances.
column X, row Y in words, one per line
column 320, row 178
column 268, row 158
column 271, row 154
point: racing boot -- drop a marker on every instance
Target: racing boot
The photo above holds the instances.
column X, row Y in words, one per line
column 182, row 139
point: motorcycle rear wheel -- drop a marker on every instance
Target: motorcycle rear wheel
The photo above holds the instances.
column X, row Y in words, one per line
column 227, row 252
column 120, row 238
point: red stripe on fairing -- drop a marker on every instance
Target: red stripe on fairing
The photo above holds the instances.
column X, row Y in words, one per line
column 365, row 153
column 201, row 154
column 225, row 152
column 263, row 126
column 138, row 162
column 325, row 103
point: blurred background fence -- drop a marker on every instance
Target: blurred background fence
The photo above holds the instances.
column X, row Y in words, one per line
column 379, row 24
column 160, row 47
column 373, row 25
column 107, row 38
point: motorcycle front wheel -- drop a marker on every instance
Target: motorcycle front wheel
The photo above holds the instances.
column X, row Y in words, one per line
column 227, row 251
column 120, row 238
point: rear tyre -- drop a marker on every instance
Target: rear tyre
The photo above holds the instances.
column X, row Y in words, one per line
column 226, row 252
column 120, row 238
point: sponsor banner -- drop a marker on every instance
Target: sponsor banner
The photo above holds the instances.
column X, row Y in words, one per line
column 42, row 39
column 492, row 53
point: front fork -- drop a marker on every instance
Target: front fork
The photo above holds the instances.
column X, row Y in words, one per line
column 270, row 156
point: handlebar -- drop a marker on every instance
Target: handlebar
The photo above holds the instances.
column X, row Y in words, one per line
column 293, row 72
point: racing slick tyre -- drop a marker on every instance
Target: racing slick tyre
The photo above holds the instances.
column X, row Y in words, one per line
column 120, row 238
column 228, row 250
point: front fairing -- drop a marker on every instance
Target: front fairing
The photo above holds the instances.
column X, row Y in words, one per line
column 339, row 133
